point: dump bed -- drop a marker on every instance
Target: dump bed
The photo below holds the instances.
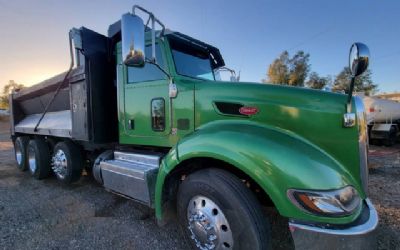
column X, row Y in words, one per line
column 85, row 108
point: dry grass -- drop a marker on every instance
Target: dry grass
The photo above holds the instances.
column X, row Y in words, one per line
column 4, row 118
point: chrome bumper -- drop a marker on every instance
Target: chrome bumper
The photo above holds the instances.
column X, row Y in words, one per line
column 357, row 235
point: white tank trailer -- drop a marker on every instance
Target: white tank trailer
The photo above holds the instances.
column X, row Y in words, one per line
column 383, row 117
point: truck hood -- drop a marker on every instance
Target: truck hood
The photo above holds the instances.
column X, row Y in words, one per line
column 312, row 115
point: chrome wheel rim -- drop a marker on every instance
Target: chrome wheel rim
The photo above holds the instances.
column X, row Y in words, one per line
column 18, row 154
column 208, row 225
column 59, row 164
column 31, row 160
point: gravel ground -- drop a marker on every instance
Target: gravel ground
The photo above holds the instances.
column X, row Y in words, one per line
column 384, row 191
column 47, row 215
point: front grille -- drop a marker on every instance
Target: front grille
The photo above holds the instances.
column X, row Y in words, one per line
column 362, row 142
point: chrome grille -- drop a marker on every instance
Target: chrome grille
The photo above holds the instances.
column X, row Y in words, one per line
column 362, row 142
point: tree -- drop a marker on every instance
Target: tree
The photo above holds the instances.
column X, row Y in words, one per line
column 299, row 68
column 7, row 89
column 289, row 71
column 363, row 83
column 278, row 71
column 317, row 82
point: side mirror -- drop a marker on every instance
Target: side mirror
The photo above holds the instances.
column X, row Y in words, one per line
column 358, row 59
column 133, row 43
column 358, row 63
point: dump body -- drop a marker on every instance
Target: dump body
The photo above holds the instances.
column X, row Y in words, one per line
column 85, row 107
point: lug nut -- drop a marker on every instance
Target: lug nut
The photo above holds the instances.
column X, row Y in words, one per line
column 212, row 237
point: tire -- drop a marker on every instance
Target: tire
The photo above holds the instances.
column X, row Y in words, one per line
column 38, row 158
column 51, row 143
column 391, row 140
column 67, row 162
column 216, row 195
column 96, row 171
column 20, row 146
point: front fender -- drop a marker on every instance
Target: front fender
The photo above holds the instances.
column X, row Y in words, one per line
column 275, row 159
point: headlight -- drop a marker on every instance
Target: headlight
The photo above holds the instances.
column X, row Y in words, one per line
column 334, row 203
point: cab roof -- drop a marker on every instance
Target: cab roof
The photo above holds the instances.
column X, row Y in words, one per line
column 217, row 61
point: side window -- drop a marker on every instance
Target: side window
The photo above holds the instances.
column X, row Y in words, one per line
column 149, row 72
column 158, row 114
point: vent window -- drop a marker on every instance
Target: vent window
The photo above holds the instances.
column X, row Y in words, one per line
column 228, row 108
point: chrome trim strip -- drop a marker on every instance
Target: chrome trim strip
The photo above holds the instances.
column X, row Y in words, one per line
column 362, row 142
column 365, row 228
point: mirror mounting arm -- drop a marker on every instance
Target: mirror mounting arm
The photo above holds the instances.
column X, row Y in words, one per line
column 153, row 20
column 153, row 37
column 151, row 16
column 153, row 61
column 350, row 94
column 173, row 91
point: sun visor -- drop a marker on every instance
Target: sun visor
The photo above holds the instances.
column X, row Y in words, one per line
column 216, row 58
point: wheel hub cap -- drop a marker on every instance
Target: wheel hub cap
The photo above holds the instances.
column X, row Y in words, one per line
column 59, row 164
column 208, row 225
column 18, row 155
column 32, row 160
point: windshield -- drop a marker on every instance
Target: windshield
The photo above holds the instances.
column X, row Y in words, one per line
column 192, row 61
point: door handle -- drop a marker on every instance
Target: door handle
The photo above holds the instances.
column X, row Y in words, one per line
column 131, row 124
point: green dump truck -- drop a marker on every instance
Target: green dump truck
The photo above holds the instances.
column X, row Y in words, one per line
column 141, row 110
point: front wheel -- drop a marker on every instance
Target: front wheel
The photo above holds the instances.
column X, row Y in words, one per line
column 217, row 211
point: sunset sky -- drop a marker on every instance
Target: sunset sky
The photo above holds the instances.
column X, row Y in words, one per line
column 250, row 34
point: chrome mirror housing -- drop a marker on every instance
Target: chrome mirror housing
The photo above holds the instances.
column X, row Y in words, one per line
column 358, row 59
column 133, row 40
column 358, row 64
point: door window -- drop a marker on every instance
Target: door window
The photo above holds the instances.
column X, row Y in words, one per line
column 158, row 114
column 149, row 72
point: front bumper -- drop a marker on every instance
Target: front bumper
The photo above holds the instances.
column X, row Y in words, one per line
column 357, row 235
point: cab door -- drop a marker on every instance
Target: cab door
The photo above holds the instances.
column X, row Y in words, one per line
column 146, row 102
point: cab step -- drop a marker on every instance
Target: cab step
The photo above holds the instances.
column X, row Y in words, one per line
column 131, row 174
column 145, row 159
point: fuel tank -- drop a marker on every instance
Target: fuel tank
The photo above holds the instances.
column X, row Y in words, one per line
column 381, row 110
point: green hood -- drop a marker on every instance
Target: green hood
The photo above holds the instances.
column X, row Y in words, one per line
column 311, row 115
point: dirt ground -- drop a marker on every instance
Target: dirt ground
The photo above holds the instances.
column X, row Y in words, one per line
column 47, row 215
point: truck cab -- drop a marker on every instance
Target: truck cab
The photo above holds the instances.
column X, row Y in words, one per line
column 144, row 108
column 148, row 116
